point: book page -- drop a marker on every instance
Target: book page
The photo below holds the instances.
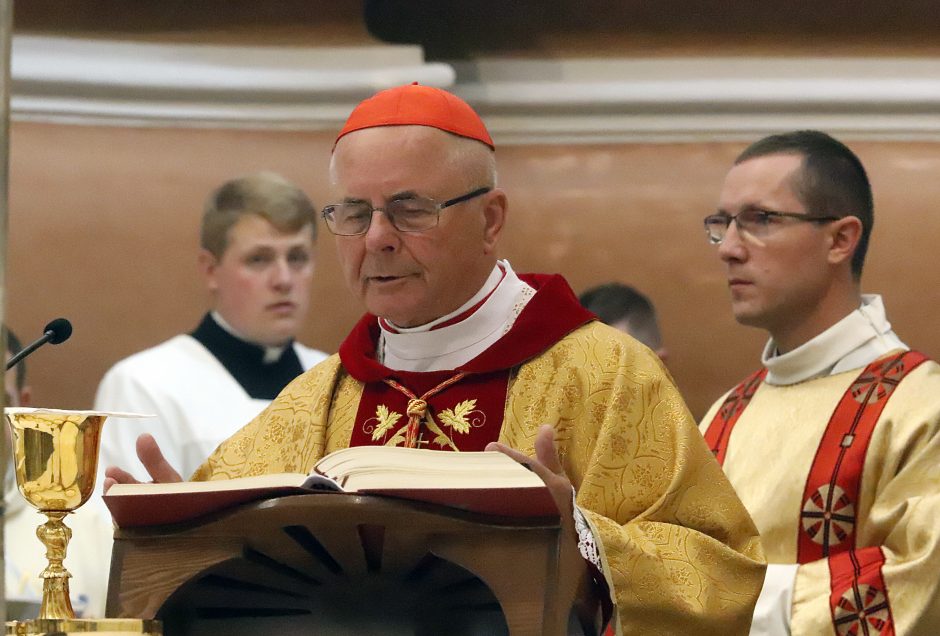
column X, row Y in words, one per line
column 431, row 479
column 273, row 480
column 453, row 468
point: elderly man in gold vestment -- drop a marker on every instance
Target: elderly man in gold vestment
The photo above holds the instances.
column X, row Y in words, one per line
column 834, row 445
column 460, row 353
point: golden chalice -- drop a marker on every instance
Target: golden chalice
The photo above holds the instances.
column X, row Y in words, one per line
column 55, row 455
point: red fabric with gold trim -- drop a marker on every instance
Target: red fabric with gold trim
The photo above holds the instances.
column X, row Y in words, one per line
column 465, row 416
column 830, row 498
column 719, row 431
column 479, row 399
column 859, row 597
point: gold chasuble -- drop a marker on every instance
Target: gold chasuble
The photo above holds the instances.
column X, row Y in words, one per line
column 678, row 550
column 842, row 476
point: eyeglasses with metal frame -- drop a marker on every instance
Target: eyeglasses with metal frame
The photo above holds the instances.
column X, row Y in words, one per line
column 757, row 222
column 406, row 214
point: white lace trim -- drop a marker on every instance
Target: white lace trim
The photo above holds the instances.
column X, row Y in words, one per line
column 525, row 295
column 587, row 543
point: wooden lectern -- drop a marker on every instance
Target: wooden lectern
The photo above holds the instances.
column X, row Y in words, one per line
column 330, row 564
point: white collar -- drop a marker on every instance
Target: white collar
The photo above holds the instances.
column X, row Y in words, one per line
column 271, row 354
column 424, row 348
column 858, row 339
column 492, row 281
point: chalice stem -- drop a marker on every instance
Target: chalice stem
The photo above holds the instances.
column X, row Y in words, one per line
column 55, row 536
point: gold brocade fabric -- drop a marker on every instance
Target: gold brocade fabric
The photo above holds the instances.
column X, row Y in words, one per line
column 770, row 453
column 679, row 548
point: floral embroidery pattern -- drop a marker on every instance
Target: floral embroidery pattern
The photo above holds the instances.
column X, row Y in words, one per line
column 440, row 437
column 382, row 423
column 459, row 419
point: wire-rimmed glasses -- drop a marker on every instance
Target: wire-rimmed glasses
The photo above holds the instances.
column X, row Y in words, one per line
column 406, row 214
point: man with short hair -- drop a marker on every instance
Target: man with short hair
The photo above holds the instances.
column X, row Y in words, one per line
column 625, row 308
column 258, row 238
column 25, row 558
column 460, row 353
column 833, row 445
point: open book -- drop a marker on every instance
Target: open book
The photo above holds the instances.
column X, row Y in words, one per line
column 485, row 482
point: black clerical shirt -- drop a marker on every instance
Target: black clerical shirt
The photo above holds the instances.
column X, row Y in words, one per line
column 245, row 360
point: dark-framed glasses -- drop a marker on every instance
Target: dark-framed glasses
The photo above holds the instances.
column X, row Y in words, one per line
column 406, row 214
column 756, row 222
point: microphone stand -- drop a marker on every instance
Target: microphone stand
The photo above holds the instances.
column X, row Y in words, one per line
column 25, row 351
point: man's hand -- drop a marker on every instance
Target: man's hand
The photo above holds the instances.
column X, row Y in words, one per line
column 546, row 465
column 153, row 460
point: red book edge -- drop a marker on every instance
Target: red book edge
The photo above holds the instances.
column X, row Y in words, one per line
column 144, row 509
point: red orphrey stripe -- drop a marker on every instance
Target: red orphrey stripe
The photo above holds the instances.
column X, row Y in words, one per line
column 830, row 497
column 719, row 431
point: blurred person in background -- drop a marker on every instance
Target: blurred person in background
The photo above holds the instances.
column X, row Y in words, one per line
column 257, row 259
column 624, row 308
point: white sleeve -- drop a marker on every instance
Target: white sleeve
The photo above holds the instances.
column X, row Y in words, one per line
column 772, row 612
column 121, row 390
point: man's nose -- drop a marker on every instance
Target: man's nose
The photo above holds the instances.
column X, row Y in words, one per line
column 381, row 235
column 731, row 247
column 282, row 275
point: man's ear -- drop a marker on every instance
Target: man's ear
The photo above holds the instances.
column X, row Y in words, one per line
column 26, row 395
column 207, row 263
column 845, row 234
column 494, row 216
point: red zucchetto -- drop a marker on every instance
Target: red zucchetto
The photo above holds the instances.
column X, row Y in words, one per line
column 416, row 105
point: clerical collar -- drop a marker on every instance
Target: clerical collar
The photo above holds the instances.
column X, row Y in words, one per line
column 246, row 361
column 858, row 339
column 469, row 307
column 552, row 312
column 460, row 336
column 271, row 354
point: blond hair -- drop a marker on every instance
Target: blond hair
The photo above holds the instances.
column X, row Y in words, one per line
column 268, row 195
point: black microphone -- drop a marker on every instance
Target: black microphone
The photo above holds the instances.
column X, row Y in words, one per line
column 55, row 332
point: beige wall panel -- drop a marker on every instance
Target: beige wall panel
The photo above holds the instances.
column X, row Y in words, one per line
column 104, row 220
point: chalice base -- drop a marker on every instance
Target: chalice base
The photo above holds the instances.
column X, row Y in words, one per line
column 70, row 626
